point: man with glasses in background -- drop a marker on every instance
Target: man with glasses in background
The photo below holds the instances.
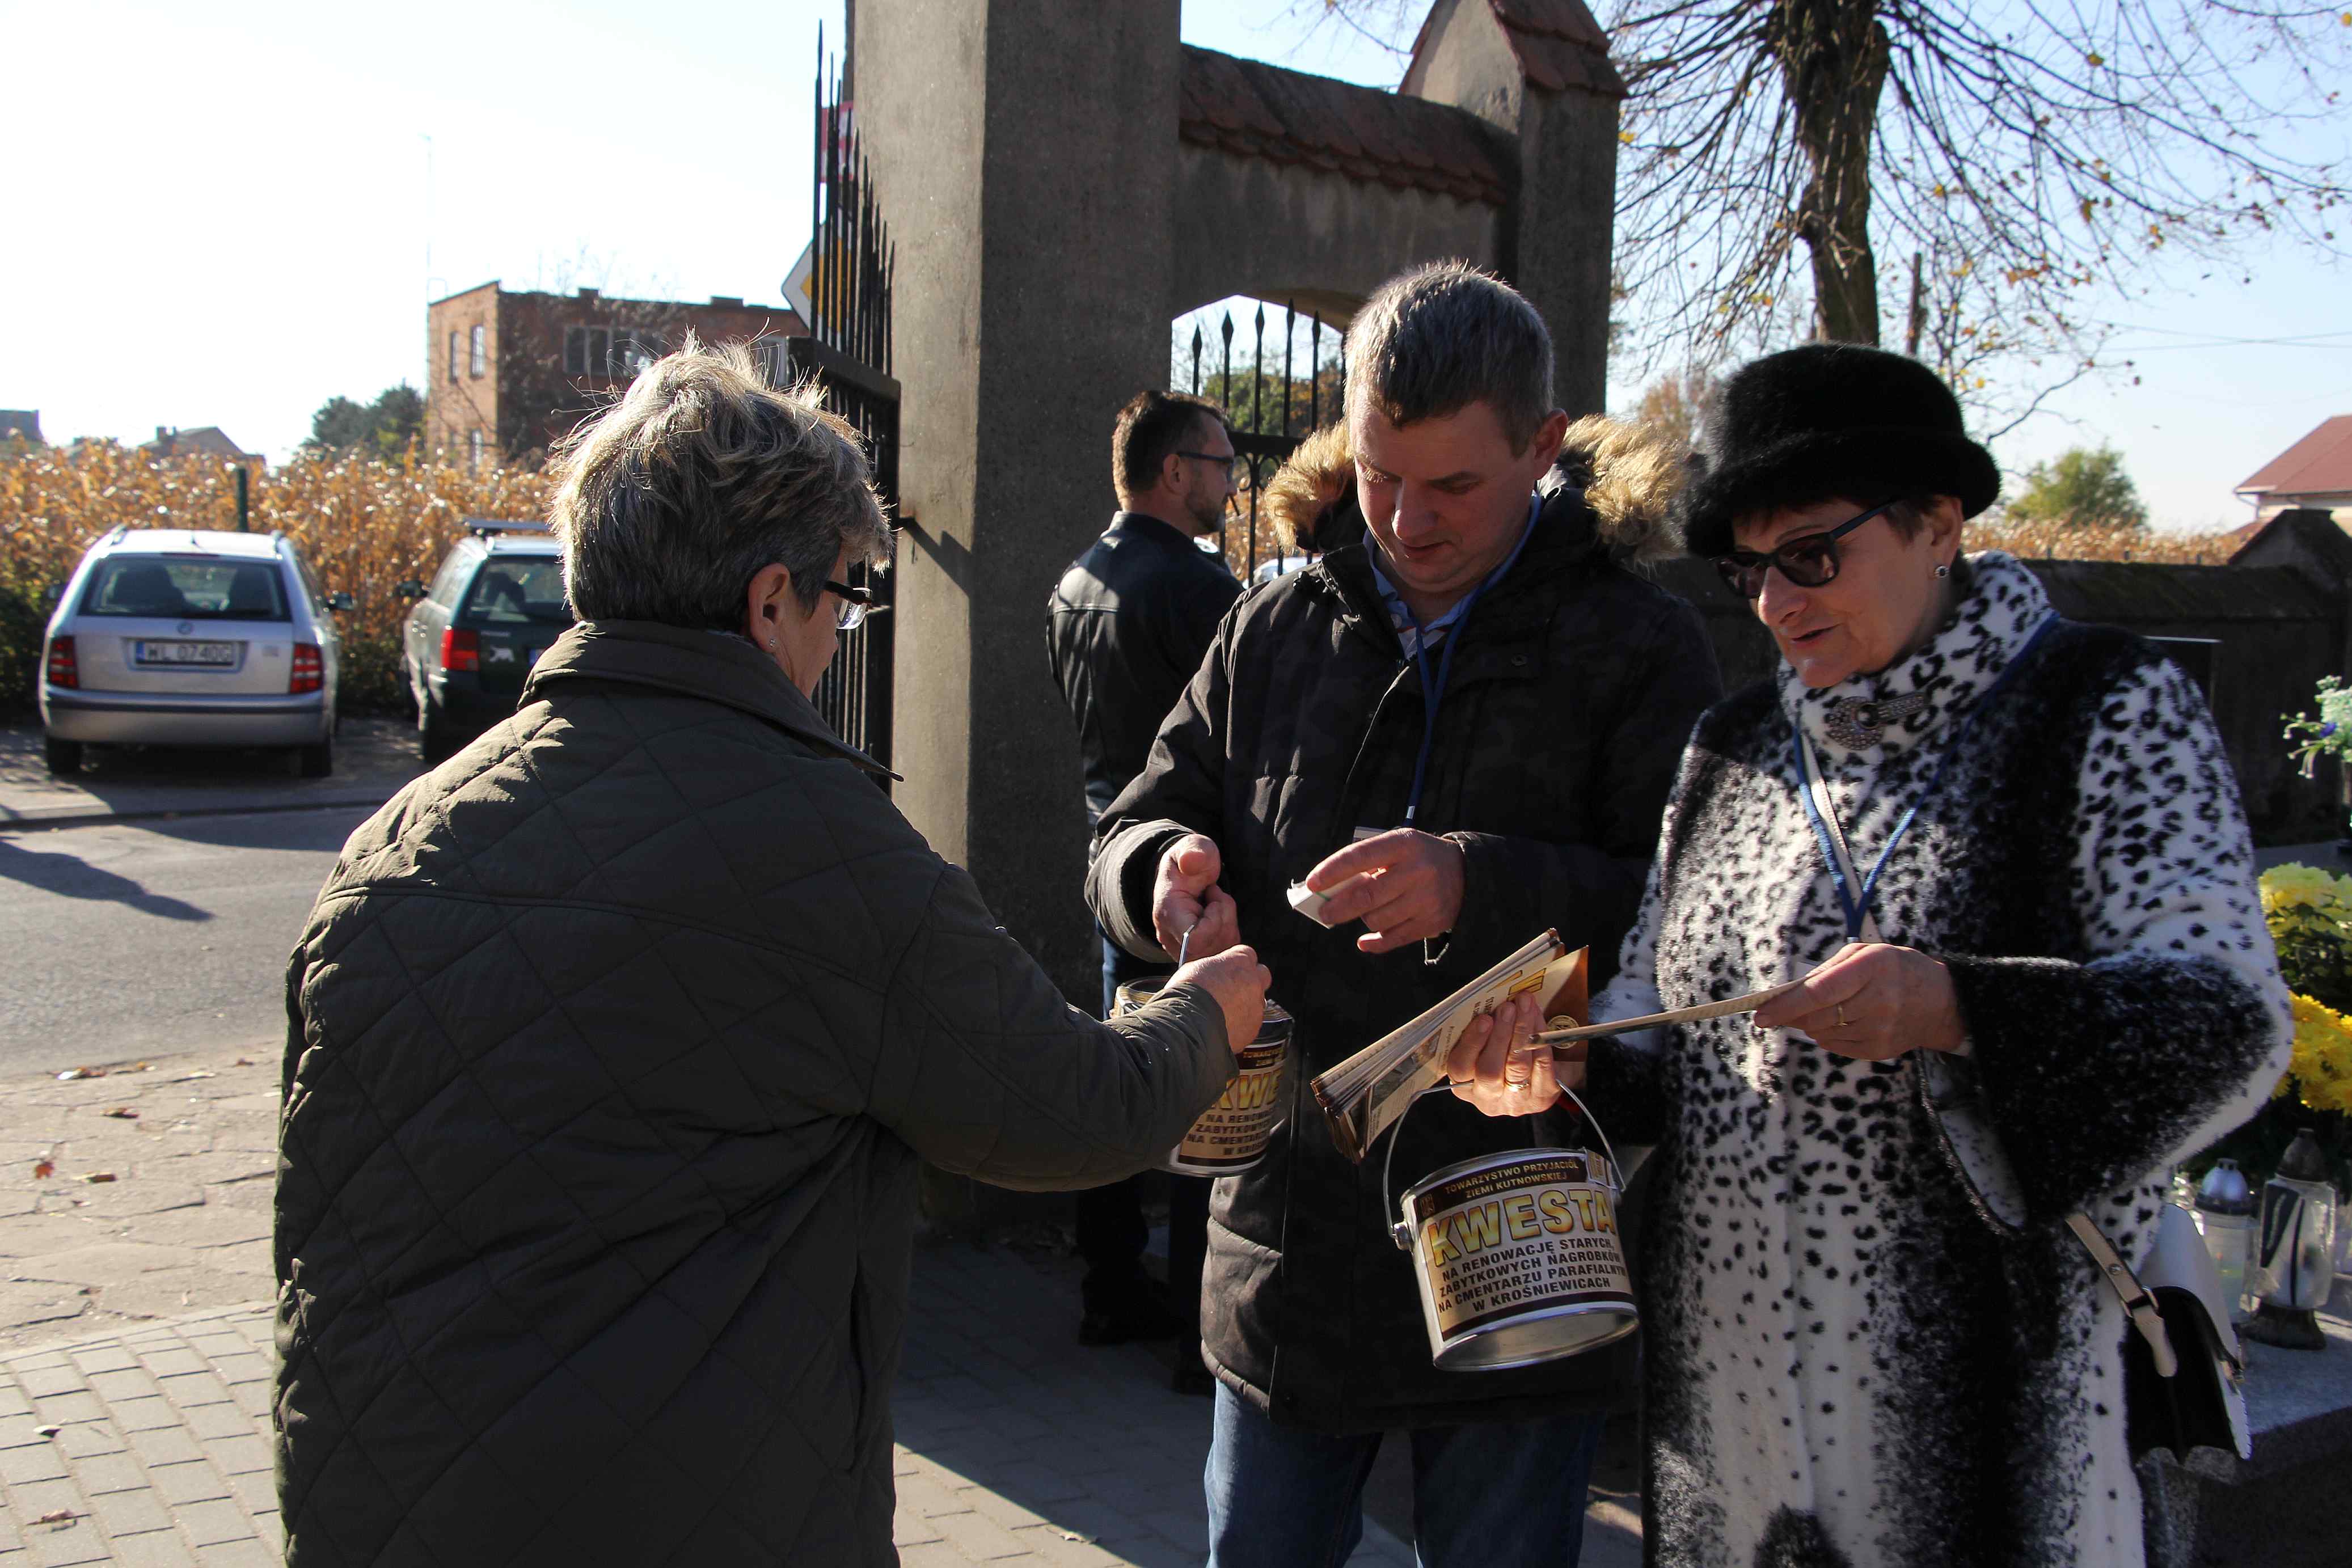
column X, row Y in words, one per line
column 1124, row 630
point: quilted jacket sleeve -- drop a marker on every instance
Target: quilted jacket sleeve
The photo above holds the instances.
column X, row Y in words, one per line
column 984, row 1070
column 2085, row 1076
column 1588, row 889
column 1181, row 790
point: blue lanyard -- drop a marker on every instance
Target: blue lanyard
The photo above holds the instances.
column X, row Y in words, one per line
column 1857, row 908
column 1433, row 691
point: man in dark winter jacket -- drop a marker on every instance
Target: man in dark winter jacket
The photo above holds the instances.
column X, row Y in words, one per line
column 1464, row 730
column 1124, row 630
column 617, row 1042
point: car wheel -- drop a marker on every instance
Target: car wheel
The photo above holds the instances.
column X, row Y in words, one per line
column 63, row 757
column 434, row 741
column 316, row 761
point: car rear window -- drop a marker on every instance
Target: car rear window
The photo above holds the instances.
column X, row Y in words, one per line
column 186, row 588
column 512, row 590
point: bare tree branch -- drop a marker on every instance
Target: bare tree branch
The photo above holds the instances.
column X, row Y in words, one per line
column 2040, row 157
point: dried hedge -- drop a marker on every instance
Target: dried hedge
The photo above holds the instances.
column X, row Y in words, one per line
column 365, row 523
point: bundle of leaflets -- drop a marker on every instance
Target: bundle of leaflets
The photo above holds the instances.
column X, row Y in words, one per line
column 1363, row 1096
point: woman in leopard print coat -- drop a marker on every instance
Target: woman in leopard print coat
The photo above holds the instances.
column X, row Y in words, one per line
column 1871, row 1338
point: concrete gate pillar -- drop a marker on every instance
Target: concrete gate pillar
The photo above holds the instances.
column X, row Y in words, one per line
column 1539, row 71
column 1025, row 152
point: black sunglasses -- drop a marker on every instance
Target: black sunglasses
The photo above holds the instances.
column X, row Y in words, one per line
column 1809, row 561
column 1227, row 463
column 854, row 602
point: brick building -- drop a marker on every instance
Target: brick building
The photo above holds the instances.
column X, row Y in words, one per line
column 509, row 373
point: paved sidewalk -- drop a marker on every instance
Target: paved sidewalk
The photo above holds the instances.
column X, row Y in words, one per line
column 135, row 1321
column 374, row 758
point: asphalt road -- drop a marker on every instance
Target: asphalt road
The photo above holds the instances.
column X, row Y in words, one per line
column 127, row 939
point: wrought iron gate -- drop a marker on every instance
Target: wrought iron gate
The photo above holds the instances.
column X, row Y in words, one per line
column 1269, row 411
column 847, row 352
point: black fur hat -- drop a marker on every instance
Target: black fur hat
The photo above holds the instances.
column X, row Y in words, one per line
column 1825, row 420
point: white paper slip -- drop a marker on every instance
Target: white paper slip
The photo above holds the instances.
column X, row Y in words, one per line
column 1747, row 1004
column 1310, row 903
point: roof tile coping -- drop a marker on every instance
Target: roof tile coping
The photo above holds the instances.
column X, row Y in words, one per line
column 1254, row 109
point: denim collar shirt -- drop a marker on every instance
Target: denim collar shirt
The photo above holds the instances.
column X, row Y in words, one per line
column 1411, row 634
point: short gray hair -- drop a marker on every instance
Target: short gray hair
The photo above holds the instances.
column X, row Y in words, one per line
column 1435, row 341
column 670, row 502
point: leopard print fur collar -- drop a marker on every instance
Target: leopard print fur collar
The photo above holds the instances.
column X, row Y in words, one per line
column 1870, row 718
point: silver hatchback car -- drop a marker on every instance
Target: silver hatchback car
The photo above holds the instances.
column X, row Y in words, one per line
column 181, row 637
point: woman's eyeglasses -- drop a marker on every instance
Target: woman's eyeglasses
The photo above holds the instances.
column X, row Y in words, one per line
column 854, row 602
column 1809, row 561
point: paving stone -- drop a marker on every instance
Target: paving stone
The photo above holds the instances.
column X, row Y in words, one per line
column 189, row 1390
column 57, row 1409
column 238, row 1455
column 85, row 1439
column 179, row 1358
column 65, row 1546
column 212, row 1421
column 154, row 1549
column 246, row 1368
column 152, row 1414
column 257, row 1489
column 126, row 1382
column 165, row 1446
column 38, row 1462
column 60, row 1378
column 33, row 1499
column 128, row 1512
column 212, row 1522
column 190, row 1480
column 245, row 1553
column 979, row 1538
column 934, row 1554
column 104, row 1473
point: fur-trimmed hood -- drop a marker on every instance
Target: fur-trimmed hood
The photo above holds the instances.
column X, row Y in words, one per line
column 1629, row 476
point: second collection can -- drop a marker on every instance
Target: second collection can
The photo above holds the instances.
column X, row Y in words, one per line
column 1232, row 1134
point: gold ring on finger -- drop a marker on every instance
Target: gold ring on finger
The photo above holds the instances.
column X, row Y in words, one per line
column 1841, row 1015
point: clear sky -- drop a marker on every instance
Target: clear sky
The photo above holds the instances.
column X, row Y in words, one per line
column 223, row 213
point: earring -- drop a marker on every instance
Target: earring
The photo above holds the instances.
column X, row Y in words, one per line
column 1944, row 571
column 772, row 642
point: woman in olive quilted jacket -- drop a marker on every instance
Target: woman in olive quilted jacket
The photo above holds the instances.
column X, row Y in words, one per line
column 615, row 1041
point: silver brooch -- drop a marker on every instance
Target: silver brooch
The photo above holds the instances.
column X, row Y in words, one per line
column 1857, row 723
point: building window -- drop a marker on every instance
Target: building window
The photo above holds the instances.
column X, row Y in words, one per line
column 473, row 449
column 453, row 356
column 616, row 352
column 480, row 358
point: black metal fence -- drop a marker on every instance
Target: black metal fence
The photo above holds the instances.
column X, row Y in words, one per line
column 847, row 350
column 1278, row 395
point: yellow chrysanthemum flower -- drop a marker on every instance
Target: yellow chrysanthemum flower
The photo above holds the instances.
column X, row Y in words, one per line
column 2295, row 886
column 2320, row 1072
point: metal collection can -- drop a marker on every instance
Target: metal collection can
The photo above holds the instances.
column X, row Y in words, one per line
column 1231, row 1135
column 1519, row 1258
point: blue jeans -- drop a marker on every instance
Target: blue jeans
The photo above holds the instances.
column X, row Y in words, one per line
column 1500, row 1494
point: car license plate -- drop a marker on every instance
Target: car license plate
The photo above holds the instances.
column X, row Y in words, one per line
column 217, row 654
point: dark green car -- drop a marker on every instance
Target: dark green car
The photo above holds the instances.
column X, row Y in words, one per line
column 492, row 608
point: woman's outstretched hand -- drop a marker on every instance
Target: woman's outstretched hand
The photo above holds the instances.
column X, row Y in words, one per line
column 1873, row 1002
column 1497, row 1066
